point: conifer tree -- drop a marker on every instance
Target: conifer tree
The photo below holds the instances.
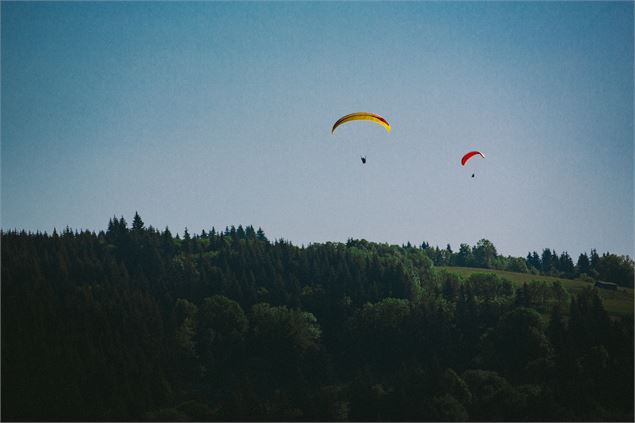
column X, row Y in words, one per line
column 137, row 223
column 260, row 235
column 583, row 265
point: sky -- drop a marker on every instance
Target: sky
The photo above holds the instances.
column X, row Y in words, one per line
column 214, row 114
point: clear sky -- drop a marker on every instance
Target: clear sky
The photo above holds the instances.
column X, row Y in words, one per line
column 213, row 114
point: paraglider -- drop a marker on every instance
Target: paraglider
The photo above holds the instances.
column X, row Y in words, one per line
column 469, row 155
column 362, row 116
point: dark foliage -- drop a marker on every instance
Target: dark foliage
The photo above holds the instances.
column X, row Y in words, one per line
column 136, row 324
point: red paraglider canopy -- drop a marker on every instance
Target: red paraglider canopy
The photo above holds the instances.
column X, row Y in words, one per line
column 469, row 155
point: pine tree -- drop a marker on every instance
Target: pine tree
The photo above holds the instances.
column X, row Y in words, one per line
column 260, row 235
column 555, row 261
column 137, row 223
column 449, row 256
column 547, row 265
column 187, row 240
column 529, row 261
column 536, row 260
column 595, row 262
column 583, row 265
column 240, row 232
column 566, row 264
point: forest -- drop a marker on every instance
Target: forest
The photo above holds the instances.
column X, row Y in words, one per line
column 134, row 323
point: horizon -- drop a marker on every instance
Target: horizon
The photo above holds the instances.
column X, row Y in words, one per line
column 180, row 234
column 205, row 115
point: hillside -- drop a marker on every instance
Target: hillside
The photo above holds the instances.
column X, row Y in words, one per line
column 133, row 324
column 617, row 303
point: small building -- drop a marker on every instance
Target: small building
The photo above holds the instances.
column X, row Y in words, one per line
column 606, row 285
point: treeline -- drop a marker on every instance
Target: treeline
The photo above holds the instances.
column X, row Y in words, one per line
column 607, row 267
column 136, row 324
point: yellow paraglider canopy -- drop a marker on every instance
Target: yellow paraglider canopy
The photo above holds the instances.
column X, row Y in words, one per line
column 362, row 116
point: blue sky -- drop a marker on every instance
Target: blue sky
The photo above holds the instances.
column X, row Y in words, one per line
column 212, row 114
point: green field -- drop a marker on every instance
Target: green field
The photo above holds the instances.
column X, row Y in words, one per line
column 618, row 302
